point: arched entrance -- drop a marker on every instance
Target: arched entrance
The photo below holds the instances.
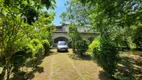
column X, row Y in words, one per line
column 60, row 39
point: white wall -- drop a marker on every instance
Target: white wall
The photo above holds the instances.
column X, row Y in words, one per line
column 59, row 34
column 80, row 29
column 64, row 34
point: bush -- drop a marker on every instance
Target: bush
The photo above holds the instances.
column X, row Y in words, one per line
column 137, row 38
column 106, row 55
column 21, row 56
column 46, row 46
column 31, row 49
column 37, row 47
column 19, row 59
column 122, row 42
column 70, row 44
column 94, row 45
column 81, row 46
column 38, row 51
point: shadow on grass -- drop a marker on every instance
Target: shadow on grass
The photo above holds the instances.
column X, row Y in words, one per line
column 103, row 76
column 22, row 75
column 130, row 69
column 49, row 53
column 30, row 75
column 52, row 53
column 34, row 67
column 63, row 52
column 77, row 57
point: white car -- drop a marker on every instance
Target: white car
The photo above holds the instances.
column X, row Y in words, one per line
column 62, row 46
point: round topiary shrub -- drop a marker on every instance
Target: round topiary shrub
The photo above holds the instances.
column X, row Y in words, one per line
column 46, row 46
column 38, row 52
column 94, row 48
column 39, row 49
column 19, row 59
column 81, row 46
column 106, row 55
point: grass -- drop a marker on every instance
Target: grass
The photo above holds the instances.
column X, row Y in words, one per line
column 131, row 52
column 130, row 65
column 69, row 66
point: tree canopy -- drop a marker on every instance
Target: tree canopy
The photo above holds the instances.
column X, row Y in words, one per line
column 21, row 22
column 76, row 13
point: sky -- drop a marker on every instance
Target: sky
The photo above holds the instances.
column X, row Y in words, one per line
column 60, row 7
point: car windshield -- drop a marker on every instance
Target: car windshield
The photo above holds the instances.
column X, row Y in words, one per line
column 61, row 43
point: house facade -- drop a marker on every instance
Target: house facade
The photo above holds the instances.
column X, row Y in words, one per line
column 61, row 34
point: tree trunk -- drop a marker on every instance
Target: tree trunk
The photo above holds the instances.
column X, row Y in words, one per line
column 81, row 54
column 73, row 47
column 2, row 75
column 8, row 67
column 8, row 74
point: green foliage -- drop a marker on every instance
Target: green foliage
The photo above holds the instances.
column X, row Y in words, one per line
column 31, row 49
column 17, row 28
column 38, row 47
column 46, row 46
column 122, row 42
column 42, row 28
column 113, row 20
column 38, row 52
column 106, row 55
column 94, row 46
column 81, row 46
column 30, row 13
column 76, row 13
column 19, row 59
column 74, row 35
column 112, row 16
column 122, row 77
column 137, row 38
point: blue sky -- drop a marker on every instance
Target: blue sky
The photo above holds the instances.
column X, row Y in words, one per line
column 60, row 7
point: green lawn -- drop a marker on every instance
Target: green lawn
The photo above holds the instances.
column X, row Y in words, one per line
column 69, row 66
column 130, row 65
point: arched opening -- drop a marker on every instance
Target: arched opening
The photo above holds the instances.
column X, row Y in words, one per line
column 60, row 39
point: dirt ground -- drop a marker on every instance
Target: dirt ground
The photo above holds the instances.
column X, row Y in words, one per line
column 68, row 66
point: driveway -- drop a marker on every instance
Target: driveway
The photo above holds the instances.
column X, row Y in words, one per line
column 68, row 66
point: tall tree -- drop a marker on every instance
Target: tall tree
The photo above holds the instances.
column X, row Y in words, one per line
column 74, row 35
column 108, row 16
column 76, row 13
column 16, row 22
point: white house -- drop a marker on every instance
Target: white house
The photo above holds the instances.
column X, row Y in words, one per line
column 61, row 34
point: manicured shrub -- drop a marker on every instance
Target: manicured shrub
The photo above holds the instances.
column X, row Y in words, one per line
column 70, row 44
column 95, row 45
column 19, row 60
column 106, row 55
column 46, row 46
column 21, row 56
column 81, row 46
column 31, row 49
column 38, row 50
column 37, row 47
